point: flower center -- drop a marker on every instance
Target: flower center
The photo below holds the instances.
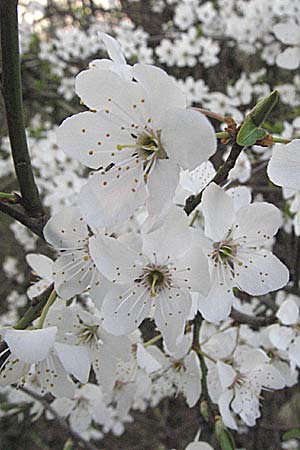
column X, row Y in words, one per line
column 88, row 334
column 147, row 145
column 155, row 278
column 224, row 251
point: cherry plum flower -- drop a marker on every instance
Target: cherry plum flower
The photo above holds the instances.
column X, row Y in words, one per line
column 74, row 271
column 155, row 282
column 139, row 135
column 36, row 353
column 289, row 34
column 234, row 246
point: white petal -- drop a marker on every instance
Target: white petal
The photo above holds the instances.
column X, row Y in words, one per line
column 226, row 373
column 191, row 380
column 107, row 199
column 30, row 345
column 246, row 404
column 124, row 309
column 75, row 360
column 188, row 137
column 37, row 288
column 281, row 337
column 145, row 360
column 114, row 259
column 105, row 90
column 269, row 377
column 12, row 371
column 199, row 446
column 294, row 351
column 289, row 58
column 288, row 33
column 260, row 273
column 218, row 212
column 73, row 273
column 162, row 90
column 288, row 312
column 66, row 229
column 42, row 266
column 258, row 221
column 92, row 139
column 240, row 195
column 192, row 271
column 162, row 184
column 284, row 165
column 227, row 416
column 172, row 308
column 113, row 48
column 217, row 305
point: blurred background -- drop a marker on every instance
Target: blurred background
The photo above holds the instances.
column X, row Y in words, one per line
column 224, row 56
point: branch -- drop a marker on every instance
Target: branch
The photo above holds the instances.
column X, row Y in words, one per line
column 35, row 224
column 61, row 422
column 12, row 92
column 193, row 201
column 37, row 304
column 253, row 321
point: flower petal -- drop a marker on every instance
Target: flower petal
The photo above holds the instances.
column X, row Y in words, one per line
column 110, row 197
column 125, row 308
column 162, row 184
column 260, row 273
column 66, row 229
column 218, row 211
column 284, row 165
column 30, row 345
column 187, row 137
column 288, row 312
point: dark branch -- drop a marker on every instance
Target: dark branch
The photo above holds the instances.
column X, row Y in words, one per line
column 60, row 421
column 193, row 201
column 35, row 224
column 253, row 321
column 12, row 92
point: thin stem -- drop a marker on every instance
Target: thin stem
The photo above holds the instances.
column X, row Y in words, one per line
column 279, row 140
column 205, row 355
column 5, row 196
column 60, row 421
column 34, row 311
column 193, row 201
column 223, row 135
column 50, row 301
column 211, row 114
column 153, row 340
column 12, row 93
column 194, row 218
column 16, row 212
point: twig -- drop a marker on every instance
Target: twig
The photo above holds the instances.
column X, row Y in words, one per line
column 253, row 321
column 211, row 114
column 35, row 309
column 61, row 422
column 193, row 201
column 35, row 224
column 12, row 93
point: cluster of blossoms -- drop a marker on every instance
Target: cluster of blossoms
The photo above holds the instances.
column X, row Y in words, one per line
column 126, row 259
column 127, row 256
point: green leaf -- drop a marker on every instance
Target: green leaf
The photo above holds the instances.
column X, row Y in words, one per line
column 226, row 440
column 249, row 133
column 224, row 436
column 291, row 434
column 263, row 108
